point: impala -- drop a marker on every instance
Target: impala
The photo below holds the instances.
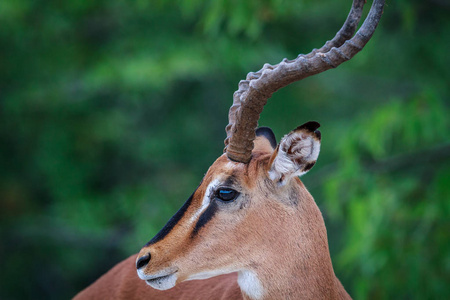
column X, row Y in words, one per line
column 251, row 230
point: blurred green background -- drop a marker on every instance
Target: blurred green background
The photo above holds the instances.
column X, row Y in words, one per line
column 112, row 111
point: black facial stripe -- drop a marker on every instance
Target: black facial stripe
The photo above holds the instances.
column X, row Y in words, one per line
column 171, row 224
column 205, row 217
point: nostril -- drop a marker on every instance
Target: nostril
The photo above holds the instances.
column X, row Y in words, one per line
column 143, row 261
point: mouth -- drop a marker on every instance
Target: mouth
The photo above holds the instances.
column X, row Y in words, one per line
column 163, row 280
column 159, row 278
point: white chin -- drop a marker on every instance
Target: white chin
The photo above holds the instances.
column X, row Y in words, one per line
column 163, row 283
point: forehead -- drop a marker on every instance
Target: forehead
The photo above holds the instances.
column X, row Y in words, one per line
column 234, row 173
column 223, row 169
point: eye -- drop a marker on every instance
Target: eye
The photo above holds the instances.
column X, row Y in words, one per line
column 226, row 194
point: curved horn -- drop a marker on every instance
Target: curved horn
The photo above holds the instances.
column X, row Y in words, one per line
column 253, row 93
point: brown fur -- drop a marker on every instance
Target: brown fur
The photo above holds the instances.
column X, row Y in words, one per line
column 276, row 232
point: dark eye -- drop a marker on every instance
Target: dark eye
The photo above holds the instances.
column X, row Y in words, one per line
column 226, row 194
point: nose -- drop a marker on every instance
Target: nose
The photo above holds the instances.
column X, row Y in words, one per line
column 143, row 261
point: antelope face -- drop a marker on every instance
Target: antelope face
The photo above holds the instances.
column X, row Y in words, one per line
column 236, row 215
column 250, row 202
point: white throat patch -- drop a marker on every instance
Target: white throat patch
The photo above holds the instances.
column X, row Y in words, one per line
column 250, row 284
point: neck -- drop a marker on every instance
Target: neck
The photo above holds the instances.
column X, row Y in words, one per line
column 300, row 281
column 297, row 268
column 255, row 287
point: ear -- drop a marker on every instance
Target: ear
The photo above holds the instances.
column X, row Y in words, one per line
column 296, row 154
column 265, row 140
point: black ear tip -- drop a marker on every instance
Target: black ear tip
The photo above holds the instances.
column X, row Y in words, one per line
column 310, row 126
column 268, row 134
column 318, row 134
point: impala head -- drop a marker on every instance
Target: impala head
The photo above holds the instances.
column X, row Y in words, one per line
column 251, row 205
column 218, row 229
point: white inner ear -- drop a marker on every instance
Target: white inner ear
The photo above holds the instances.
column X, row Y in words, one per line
column 297, row 151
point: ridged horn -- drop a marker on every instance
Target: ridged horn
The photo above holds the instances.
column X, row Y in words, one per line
column 253, row 93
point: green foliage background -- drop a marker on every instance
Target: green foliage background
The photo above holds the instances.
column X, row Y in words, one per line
column 111, row 112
